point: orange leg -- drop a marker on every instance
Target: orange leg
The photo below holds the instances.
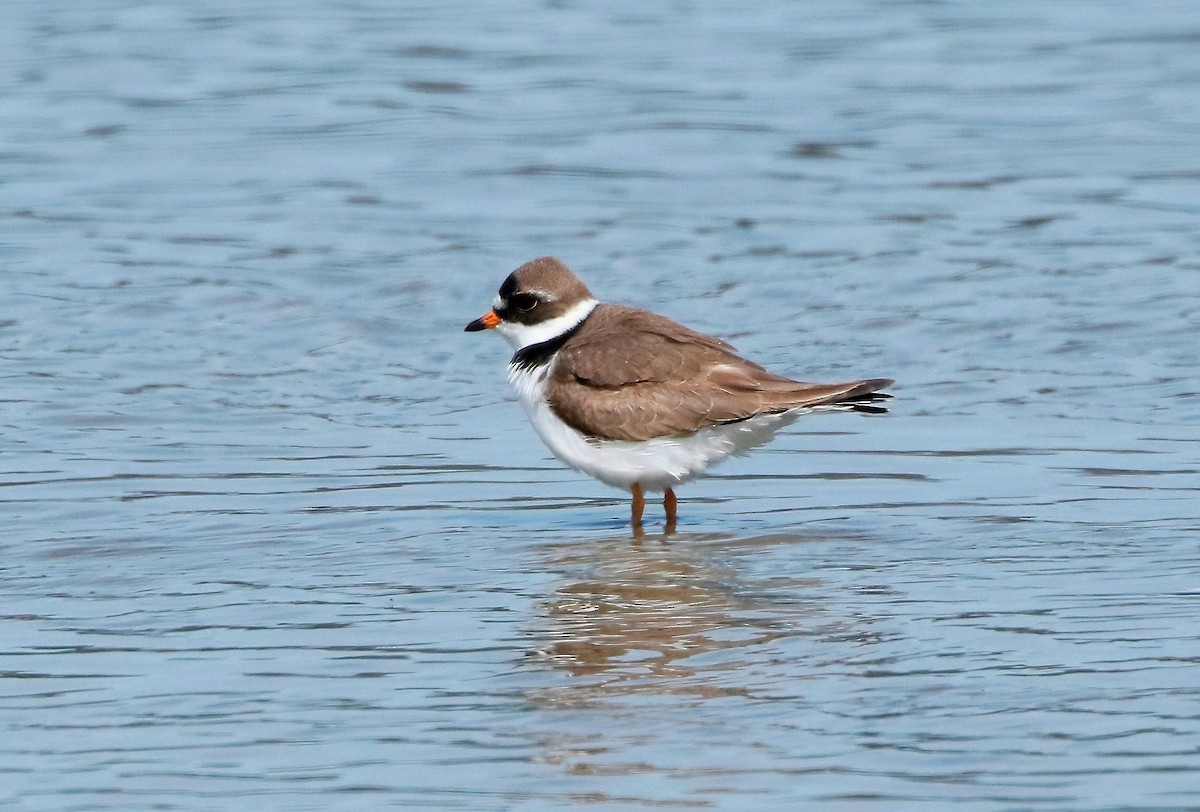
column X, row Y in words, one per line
column 639, row 505
column 669, row 502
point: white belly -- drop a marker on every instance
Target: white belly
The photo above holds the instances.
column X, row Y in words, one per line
column 655, row 464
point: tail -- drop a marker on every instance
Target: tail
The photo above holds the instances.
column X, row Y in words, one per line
column 855, row 396
column 862, row 396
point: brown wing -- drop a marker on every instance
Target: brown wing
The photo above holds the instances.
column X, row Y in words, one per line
column 634, row 375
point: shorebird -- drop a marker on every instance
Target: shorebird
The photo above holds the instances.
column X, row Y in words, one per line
column 636, row 400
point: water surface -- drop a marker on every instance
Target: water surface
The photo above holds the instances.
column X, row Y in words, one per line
column 277, row 535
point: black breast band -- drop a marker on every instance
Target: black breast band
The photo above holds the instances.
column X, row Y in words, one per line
column 536, row 355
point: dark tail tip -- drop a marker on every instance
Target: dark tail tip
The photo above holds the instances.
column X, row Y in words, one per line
column 864, row 397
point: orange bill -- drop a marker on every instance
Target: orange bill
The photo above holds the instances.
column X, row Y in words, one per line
column 485, row 322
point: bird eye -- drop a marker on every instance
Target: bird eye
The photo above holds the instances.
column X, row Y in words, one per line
column 524, row 302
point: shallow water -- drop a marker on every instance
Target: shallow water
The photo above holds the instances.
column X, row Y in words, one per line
column 277, row 534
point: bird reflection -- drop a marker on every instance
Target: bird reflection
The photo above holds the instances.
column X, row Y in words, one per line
column 641, row 616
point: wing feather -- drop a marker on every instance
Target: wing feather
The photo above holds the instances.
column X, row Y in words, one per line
column 634, row 375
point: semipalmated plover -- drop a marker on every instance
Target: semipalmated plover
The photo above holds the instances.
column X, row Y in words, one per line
column 636, row 400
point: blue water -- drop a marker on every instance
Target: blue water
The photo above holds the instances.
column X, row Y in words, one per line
column 276, row 535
